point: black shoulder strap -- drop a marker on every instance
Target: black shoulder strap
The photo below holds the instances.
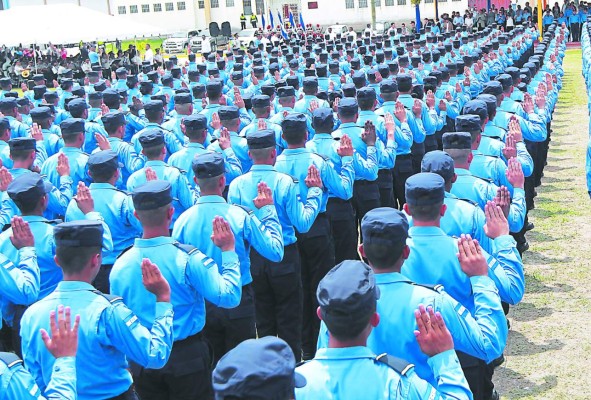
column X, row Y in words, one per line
column 53, row 221
column 124, row 251
column 10, row 359
column 187, row 248
column 435, row 288
column 397, row 364
column 109, row 297
column 325, row 158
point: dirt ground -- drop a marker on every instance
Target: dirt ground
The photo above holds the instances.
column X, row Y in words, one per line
column 549, row 349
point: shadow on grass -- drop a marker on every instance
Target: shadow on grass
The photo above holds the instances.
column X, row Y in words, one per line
column 526, row 312
column 535, row 285
column 522, row 346
column 521, row 387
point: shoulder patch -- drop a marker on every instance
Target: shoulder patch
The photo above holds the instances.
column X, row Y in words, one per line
column 109, row 297
column 10, row 359
column 397, row 364
column 248, row 210
column 187, row 248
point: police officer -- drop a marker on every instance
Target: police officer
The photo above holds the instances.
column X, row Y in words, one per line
column 19, row 284
column 110, row 330
column 258, row 229
column 230, row 119
column 43, row 118
column 187, row 373
column 278, row 297
column 9, row 108
column 429, row 246
column 73, row 135
column 17, row 382
column 154, row 148
column 315, row 246
column 78, row 108
column 261, row 369
column 155, row 115
column 183, row 107
column 114, row 205
column 347, row 297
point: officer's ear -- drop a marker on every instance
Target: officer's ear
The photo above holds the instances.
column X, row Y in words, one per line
column 405, row 252
column 319, row 313
column 374, row 320
column 170, row 213
column 442, row 210
column 361, row 250
column 406, row 209
column 470, row 157
column 454, row 178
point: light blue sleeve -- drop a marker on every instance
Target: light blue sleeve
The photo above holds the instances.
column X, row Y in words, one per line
column 265, row 235
column 517, row 210
column 222, row 289
column 506, row 269
column 20, row 283
column 341, row 185
column 527, row 163
column 366, row 168
column 302, row 215
column 451, row 383
column 62, row 385
column 120, row 327
column 60, row 198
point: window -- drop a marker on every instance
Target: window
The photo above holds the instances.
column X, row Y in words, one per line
column 349, row 4
column 169, row 6
column 260, row 6
column 378, row 3
column 389, row 3
column 145, row 8
column 362, row 3
column 401, row 2
column 180, row 6
column 312, row 5
column 229, row 3
column 428, row 1
column 215, row 3
column 122, row 10
column 133, row 9
column 201, row 4
column 247, row 7
column 157, row 7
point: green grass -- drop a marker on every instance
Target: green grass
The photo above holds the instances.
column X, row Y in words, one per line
column 549, row 349
column 140, row 43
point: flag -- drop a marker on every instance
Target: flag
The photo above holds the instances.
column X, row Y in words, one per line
column 271, row 19
column 418, row 17
column 302, row 21
column 291, row 21
column 263, row 21
column 280, row 19
column 283, row 33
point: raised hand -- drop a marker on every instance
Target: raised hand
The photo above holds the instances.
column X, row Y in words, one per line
column 224, row 139
column 150, row 174
column 503, row 200
column 84, row 199
column 515, row 173
column 432, row 334
column 64, row 337
column 345, row 147
column 222, row 235
column 238, row 100
column 154, row 282
column 264, row 196
column 313, row 106
column 313, row 178
column 496, row 223
column 36, row 132
column 21, row 234
column 5, row 179
column 510, row 151
column 63, row 165
column 215, row 121
column 417, row 108
column 262, row 124
column 442, row 106
column 515, row 130
column 400, row 112
column 369, row 134
column 470, row 256
column 103, row 142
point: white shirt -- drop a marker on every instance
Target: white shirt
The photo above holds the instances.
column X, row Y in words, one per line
column 205, row 46
column 149, row 56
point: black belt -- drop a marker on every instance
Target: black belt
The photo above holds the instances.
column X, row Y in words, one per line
column 363, row 182
column 403, row 156
column 190, row 339
column 129, row 394
column 336, row 200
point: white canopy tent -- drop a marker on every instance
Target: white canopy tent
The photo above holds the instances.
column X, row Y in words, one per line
column 67, row 23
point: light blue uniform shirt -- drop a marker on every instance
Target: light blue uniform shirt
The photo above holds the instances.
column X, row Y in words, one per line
column 192, row 277
column 482, row 335
column 259, row 229
column 491, row 168
column 126, row 155
column 295, row 162
column 52, row 142
column 352, row 373
column 17, row 383
column 293, row 214
column 17, row 128
column 240, row 148
column 171, row 142
column 184, row 196
column 109, row 331
column 78, row 169
column 19, row 284
column 433, row 260
column 116, row 208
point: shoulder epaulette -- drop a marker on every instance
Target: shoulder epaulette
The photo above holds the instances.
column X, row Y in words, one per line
column 124, row 251
column 293, row 178
column 475, row 204
column 483, row 179
column 111, row 298
column 436, row 288
column 397, row 364
column 248, row 210
column 10, row 359
column 53, row 221
column 187, row 248
column 6, row 227
column 325, row 158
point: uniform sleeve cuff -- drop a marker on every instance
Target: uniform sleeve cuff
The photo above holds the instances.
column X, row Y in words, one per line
column 443, row 361
column 482, row 281
column 66, row 179
column 27, row 252
column 504, row 241
column 229, row 257
column 163, row 308
column 518, row 191
column 94, row 215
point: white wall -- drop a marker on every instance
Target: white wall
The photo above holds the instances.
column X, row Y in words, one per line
column 98, row 5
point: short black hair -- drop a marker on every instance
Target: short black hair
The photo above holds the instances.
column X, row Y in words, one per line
column 383, row 256
column 425, row 213
column 73, row 259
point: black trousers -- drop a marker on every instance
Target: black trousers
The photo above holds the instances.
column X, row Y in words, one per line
column 403, row 170
column 417, row 151
column 366, row 197
column 344, row 230
column 478, row 375
column 278, row 297
column 101, row 282
column 242, row 24
column 226, row 328
column 430, row 144
column 317, row 258
column 128, row 395
column 386, row 188
column 186, row 375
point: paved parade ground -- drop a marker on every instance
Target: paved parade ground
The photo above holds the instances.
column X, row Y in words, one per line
column 549, row 346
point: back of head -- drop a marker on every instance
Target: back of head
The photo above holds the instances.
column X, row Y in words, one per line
column 425, row 193
column 385, row 231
